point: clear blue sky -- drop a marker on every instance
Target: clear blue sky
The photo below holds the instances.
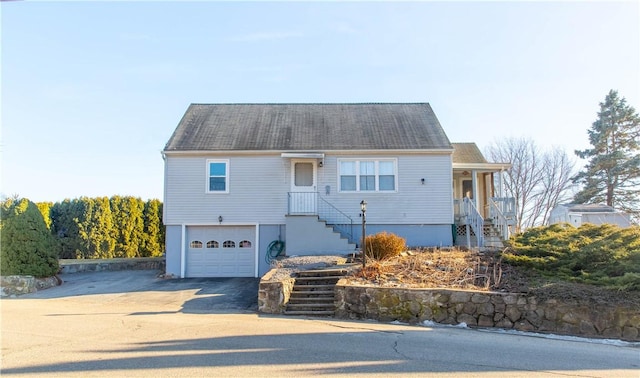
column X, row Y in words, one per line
column 91, row 91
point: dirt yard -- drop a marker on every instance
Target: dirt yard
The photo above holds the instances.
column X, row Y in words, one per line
column 460, row 269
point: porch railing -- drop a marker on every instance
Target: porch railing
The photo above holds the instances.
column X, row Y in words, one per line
column 507, row 206
column 473, row 220
column 311, row 203
column 500, row 220
column 302, row 203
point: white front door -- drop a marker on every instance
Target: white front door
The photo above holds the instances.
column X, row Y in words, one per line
column 303, row 197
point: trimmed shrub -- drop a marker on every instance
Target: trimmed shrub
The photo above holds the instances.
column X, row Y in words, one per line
column 382, row 245
column 28, row 248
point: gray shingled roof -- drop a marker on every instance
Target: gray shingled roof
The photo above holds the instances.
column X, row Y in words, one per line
column 298, row 127
column 468, row 153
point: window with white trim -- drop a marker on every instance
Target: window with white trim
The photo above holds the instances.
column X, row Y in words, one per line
column 367, row 175
column 217, row 176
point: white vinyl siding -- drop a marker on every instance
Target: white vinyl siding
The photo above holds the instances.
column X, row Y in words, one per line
column 367, row 175
column 258, row 191
column 259, row 185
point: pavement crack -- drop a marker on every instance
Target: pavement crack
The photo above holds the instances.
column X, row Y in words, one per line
column 361, row 327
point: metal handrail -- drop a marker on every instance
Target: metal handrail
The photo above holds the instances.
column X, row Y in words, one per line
column 340, row 221
column 475, row 220
column 311, row 203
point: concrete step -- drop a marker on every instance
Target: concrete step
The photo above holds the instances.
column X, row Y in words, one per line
column 312, row 286
column 326, row 300
column 309, row 306
column 300, row 293
column 310, row 313
column 317, row 278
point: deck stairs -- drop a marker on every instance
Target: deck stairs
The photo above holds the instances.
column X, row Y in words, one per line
column 492, row 235
column 313, row 292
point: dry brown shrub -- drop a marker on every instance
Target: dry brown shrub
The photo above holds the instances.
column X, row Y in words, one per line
column 435, row 268
column 383, row 245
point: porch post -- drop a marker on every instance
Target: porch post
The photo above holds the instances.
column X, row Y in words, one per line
column 474, row 187
column 500, row 183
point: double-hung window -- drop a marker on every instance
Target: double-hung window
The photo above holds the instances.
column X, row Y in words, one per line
column 367, row 175
column 218, row 176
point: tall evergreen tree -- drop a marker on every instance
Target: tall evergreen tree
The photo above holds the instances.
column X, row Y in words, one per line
column 28, row 248
column 153, row 229
column 612, row 173
column 65, row 217
column 45, row 209
column 128, row 219
column 96, row 229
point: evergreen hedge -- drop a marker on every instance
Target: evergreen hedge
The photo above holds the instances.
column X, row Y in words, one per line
column 28, row 248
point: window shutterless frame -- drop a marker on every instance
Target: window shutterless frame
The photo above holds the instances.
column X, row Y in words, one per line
column 217, row 176
column 368, row 175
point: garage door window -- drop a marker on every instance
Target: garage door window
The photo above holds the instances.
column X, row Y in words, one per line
column 245, row 244
column 229, row 244
column 212, row 244
column 195, row 244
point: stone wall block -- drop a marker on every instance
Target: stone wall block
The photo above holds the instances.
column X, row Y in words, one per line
column 459, row 297
column 500, row 307
column 568, row 329
column 550, row 312
column 522, row 301
column 630, row 333
column 480, row 298
column 570, row 318
column 485, row 321
column 511, row 299
column 634, row 320
column 485, row 309
column 588, row 329
column 548, row 326
column 468, row 319
column 612, row 333
column 524, row 326
column 440, row 315
column 513, row 313
column 504, row 323
column 497, row 299
column 498, row 316
column 468, row 308
column 533, row 318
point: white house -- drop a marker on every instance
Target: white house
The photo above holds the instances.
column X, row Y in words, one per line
column 579, row 214
column 241, row 177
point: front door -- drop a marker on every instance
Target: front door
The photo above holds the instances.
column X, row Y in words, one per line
column 303, row 198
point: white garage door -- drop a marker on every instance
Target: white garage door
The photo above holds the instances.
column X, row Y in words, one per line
column 220, row 251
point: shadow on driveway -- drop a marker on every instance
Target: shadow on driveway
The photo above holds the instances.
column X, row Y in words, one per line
column 211, row 294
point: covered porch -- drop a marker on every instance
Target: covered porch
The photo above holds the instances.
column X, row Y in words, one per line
column 483, row 215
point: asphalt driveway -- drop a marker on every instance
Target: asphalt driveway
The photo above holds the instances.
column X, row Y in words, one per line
column 132, row 324
column 194, row 295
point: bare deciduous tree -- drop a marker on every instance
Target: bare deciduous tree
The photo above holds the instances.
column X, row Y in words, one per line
column 538, row 179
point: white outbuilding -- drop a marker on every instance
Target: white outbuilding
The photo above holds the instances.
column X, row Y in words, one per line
column 578, row 214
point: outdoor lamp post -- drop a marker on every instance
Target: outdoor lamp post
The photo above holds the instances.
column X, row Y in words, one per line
column 363, row 208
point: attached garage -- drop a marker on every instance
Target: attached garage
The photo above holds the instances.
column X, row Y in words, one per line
column 220, row 251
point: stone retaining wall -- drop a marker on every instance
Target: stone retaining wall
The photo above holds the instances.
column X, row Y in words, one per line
column 12, row 286
column 91, row 265
column 487, row 309
column 273, row 296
